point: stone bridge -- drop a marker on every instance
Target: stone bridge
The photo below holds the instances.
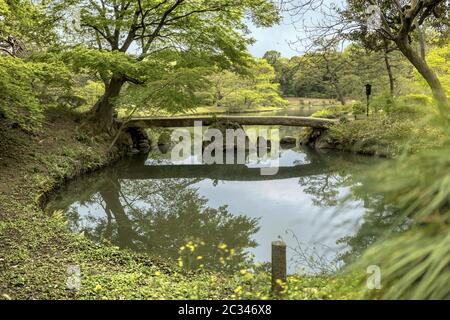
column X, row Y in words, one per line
column 188, row 121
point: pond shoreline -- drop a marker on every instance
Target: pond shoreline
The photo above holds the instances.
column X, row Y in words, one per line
column 37, row 248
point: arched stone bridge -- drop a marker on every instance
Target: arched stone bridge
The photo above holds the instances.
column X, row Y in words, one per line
column 188, row 121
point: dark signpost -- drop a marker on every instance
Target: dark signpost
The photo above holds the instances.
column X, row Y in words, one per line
column 368, row 93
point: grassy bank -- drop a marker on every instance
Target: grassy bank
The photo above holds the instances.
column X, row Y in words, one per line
column 392, row 129
column 36, row 248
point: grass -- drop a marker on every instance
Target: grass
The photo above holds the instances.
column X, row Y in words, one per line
column 412, row 248
column 37, row 250
column 403, row 127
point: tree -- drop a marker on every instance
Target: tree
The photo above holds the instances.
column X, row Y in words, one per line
column 133, row 31
column 26, row 25
column 439, row 59
column 256, row 88
column 397, row 24
column 26, row 82
column 322, row 72
column 282, row 70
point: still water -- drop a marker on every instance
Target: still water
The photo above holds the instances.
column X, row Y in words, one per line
column 298, row 111
column 153, row 205
column 225, row 213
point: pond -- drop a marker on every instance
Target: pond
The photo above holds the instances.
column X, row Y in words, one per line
column 214, row 216
column 298, row 111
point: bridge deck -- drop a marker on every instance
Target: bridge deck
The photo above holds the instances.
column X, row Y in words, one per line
column 144, row 122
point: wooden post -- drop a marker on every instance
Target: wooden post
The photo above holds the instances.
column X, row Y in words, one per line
column 278, row 266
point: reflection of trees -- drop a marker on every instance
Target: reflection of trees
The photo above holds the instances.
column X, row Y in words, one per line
column 324, row 189
column 346, row 171
column 379, row 221
column 163, row 211
column 160, row 216
column 336, row 174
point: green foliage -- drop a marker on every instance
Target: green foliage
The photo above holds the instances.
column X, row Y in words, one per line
column 438, row 58
column 239, row 92
column 333, row 111
column 29, row 24
column 25, row 87
column 393, row 127
column 283, row 70
column 138, row 47
column 420, row 269
column 359, row 108
column 325, row 74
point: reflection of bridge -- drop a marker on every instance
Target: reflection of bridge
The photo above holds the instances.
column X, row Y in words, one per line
column 218, row 172
column 173, row 122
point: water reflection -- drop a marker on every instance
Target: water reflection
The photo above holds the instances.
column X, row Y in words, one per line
column 157, row 216
column 156, row 206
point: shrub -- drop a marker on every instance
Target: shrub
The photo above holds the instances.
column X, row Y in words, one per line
column 385, row 135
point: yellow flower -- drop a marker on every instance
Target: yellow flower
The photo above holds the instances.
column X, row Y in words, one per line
column 243, row 271
column 98, row 287
column 222, row 246
column 199, row 258
column 157, row 273
column 180, row 263
column 238, row 290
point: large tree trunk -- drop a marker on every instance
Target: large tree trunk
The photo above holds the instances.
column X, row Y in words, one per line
column 428, row 74
column 103, row 108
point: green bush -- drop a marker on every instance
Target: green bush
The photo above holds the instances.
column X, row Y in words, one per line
column 383, row 102
column 385, row 135
column 416, row 99
column 359, row 108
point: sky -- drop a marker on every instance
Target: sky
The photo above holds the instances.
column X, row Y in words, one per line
column 281, row 37
column 274, row 38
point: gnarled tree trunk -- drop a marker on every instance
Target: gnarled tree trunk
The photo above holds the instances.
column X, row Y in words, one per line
column 103, row 108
